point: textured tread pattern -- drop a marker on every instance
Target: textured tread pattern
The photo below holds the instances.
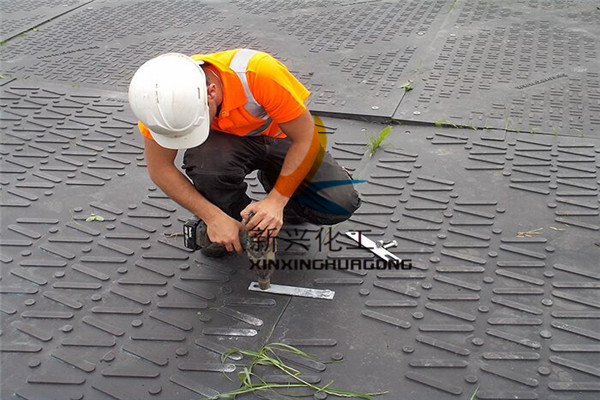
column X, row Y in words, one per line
column 518, row 66
column 99, row 298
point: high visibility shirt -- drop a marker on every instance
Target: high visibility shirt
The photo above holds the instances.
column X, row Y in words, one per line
column 270, row 95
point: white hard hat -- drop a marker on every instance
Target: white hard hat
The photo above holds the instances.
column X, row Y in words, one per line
column 168, row 95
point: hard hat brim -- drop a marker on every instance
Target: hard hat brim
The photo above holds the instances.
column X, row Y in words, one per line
column 192, row 139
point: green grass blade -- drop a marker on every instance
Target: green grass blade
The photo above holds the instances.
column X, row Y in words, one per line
column 474, row 393
column 407, row 86
column 375, row 142
column 290, row 349
column 267, row 356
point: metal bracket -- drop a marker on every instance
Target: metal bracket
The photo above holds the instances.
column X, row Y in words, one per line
column 294, row 291
column 370, row 245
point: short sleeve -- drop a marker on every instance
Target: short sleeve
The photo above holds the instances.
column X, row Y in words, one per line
column 277, row 90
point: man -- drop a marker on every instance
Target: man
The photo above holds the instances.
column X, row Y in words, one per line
column 235, row 112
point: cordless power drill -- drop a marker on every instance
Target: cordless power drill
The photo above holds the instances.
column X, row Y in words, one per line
column 261, row 252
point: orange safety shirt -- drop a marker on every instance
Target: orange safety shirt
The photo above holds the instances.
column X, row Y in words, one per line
column 273, row 87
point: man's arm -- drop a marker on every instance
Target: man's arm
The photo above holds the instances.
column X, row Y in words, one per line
column 268, row 213
column 221, row 227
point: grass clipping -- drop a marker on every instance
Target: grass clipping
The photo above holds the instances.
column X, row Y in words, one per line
column 268, row 356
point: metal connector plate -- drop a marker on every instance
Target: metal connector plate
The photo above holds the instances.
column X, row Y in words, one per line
column 294, row 291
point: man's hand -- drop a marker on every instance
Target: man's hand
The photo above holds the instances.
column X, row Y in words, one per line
column 224, row 230
column 267, row 217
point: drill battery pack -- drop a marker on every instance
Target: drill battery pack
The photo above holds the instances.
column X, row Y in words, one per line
column 192, row 232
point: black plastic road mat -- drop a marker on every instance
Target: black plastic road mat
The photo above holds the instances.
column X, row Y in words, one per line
column 99, row 299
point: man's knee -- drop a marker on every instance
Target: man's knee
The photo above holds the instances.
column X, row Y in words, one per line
column 333, row 206
column 349, row 199
column 342, row 199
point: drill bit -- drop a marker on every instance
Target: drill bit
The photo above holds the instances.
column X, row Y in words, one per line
column 261, row 252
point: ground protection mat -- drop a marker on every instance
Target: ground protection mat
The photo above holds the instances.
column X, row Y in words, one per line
column 23, row 16
column 101, row 300
column 529, row 66
column 351, row 55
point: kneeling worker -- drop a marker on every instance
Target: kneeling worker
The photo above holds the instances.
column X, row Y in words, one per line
column 235, row 112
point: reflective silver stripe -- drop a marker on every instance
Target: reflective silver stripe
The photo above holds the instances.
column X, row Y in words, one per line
column 261, row 128
column 239, row 64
